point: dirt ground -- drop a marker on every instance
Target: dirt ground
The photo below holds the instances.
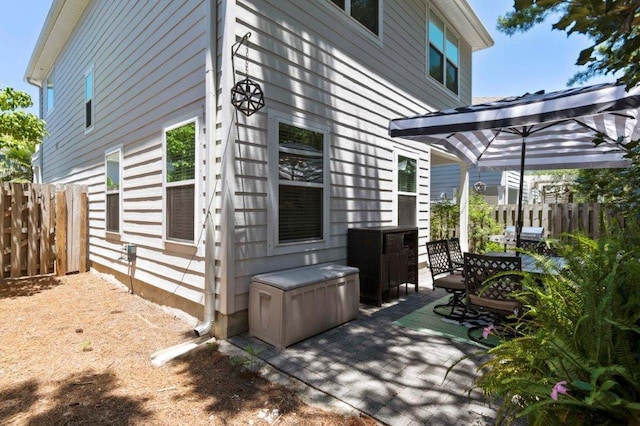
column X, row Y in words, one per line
column 77, row 350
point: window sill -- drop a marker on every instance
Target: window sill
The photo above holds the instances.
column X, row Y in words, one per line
column 182, row 247
column 297, row 247
column 113, row 236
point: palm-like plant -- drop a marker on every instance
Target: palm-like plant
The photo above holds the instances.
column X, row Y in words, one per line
column 577, row 360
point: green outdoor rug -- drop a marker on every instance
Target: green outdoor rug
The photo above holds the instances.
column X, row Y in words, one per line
column 425, row 320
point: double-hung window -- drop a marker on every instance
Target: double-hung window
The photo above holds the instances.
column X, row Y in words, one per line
column 180, row 178
column 443, row 54
column 367, row 12
column 407, row 181
column 89, row 104
column 113, row 187
column 302, row 183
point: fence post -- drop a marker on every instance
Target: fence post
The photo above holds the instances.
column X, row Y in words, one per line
column 32, row 232
column 84, row 231
column 16, row 230
column 61, row 233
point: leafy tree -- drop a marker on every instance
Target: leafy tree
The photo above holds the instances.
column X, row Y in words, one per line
column 445, row 215
column 481, row 224
column 612, row 25
column 20, row 132
column 614, row 28
column 619, row 189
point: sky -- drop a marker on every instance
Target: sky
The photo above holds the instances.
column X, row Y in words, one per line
column 539, row 59
column 526, row 62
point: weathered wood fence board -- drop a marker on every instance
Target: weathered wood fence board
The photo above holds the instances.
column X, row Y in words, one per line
column 39, row 235
column 557, row 219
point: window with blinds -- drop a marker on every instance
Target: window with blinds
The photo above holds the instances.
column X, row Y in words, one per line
column 112, row 184
column 180, row 171
column 301, row 184
column 407, row 191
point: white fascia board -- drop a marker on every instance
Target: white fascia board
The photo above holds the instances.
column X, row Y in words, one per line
column 61, row 20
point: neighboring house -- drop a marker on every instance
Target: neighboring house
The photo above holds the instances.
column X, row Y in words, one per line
column 500, row 187
column 137, row 100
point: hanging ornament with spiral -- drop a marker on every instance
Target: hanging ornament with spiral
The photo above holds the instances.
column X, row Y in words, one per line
column 246, row 95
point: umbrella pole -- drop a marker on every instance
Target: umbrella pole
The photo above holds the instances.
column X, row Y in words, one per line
column 519, row 219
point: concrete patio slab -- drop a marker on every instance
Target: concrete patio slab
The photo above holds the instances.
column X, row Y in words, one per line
column 391, row 373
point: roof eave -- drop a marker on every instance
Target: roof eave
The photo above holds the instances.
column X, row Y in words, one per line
column 460, row 11
column 61, row 20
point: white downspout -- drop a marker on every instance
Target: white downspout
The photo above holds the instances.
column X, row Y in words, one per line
column 205, row 326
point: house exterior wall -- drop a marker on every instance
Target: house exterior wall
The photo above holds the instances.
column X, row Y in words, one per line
column 316, row 66
column 148, row 62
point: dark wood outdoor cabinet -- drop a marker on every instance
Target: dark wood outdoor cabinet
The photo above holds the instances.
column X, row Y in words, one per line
column 387, row 257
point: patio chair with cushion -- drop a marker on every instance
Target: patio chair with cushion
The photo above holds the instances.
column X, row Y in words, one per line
column 489, row 288
column 446, row 277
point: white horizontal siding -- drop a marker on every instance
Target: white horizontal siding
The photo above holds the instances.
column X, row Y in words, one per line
column 347, row 81
column 148, row 59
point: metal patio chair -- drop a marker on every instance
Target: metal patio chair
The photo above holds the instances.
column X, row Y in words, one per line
column 445, row 276
column 455, row 253
column 489, row 288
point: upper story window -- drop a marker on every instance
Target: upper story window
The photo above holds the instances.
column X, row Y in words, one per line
column 88, row 99
column 407, row 179
column 180, row 179
column 367, row 12
column 113, row 186
column 49, row 93
column 443, row 54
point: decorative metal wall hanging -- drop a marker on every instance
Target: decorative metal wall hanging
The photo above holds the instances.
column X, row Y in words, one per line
column 480, row 187
column 246, row 95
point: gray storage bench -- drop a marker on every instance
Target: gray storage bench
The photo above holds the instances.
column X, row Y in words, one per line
column 291, row 305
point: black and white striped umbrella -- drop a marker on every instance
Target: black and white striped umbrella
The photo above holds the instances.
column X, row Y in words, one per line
column 535, row 131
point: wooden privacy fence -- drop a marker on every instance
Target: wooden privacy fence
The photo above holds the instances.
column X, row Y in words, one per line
column 557, row 219
column 44, row 229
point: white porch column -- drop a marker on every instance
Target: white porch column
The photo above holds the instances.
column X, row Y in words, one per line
column 464, row 207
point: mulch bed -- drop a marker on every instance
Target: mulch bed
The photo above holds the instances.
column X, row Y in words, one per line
column 76, row 350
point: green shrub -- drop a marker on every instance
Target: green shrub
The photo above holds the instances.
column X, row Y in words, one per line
column 579, row 340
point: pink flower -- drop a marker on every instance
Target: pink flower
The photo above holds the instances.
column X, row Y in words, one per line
column 558, row 388
column 487, row 331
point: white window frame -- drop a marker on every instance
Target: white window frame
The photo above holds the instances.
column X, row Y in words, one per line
column 107, row 154
column 274, row 247
column 397, row 192
column 197, row 219
column 89, row 71
column 447, row 29
column 49, row 93
column 345, row 15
